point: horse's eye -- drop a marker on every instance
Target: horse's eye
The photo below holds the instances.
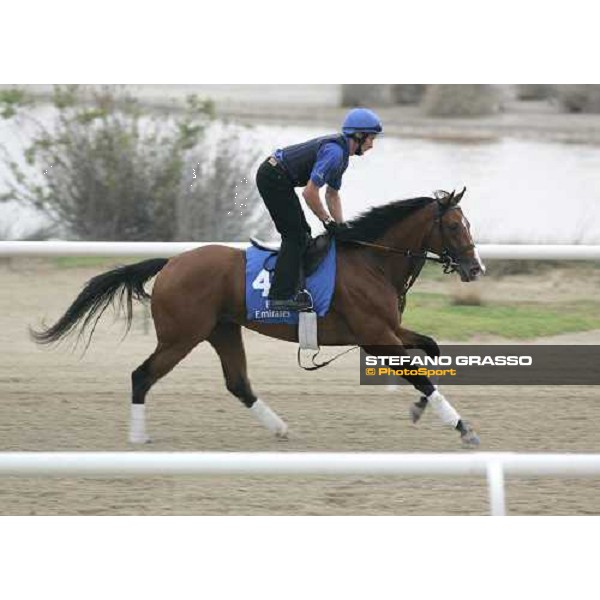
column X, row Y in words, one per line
column 453, row 226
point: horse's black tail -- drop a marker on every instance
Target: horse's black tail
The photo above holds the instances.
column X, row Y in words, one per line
column 97, row 295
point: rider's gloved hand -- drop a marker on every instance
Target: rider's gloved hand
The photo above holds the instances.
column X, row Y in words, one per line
column 333, row 227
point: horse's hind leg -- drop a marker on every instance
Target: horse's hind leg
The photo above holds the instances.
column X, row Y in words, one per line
column 226, row 339
column 157, row 365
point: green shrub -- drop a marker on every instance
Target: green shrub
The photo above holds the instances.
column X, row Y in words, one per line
column 579, row 98
column 461, row 100
column 106, row 169
column 366, row 95
column 407, row 93
column 222, row 202
column 534, row 91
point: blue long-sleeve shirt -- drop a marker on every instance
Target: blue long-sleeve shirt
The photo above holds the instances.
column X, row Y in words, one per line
column 321, row 160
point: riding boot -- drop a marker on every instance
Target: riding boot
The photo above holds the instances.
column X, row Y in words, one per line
column 302, row 300
column 287, row 269
column 287, row 292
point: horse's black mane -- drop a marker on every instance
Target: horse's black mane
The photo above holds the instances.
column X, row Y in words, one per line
column 371, row 225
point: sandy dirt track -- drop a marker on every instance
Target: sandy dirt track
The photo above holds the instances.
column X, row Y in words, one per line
column 55, row 400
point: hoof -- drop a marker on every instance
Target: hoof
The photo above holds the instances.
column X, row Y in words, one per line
column 139, row 439
column 416, row 410
column 469, row 438
column 282, row 434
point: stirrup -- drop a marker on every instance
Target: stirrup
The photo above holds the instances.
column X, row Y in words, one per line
column 301, row 301
column 305, row 297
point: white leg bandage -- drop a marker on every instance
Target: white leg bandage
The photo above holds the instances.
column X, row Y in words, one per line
column 269, row 419
column 137, row 424
column 443, row 409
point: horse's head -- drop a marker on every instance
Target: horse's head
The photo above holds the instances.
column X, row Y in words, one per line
column 451, row 237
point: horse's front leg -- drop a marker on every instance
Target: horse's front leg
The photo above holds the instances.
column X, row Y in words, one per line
column 412, row 340
column 444, row 410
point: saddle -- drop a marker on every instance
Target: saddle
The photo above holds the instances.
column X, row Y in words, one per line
column 314, row 254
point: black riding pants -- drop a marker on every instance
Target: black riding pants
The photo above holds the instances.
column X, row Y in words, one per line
column 277, row 191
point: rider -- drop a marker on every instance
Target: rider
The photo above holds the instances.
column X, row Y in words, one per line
column 311, row 165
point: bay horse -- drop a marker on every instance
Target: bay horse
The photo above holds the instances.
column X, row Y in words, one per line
column 199, row 296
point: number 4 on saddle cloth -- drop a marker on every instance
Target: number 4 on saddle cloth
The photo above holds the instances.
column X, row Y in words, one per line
column 319, row 266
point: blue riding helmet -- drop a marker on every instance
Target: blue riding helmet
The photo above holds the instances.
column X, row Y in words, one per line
column 361, row 120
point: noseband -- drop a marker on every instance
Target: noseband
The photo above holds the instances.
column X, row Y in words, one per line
column 449, row 259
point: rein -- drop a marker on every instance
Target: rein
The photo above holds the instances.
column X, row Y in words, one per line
column 317, row 365
column 450, row 265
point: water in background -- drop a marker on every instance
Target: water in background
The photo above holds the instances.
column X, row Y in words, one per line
column 517, row 191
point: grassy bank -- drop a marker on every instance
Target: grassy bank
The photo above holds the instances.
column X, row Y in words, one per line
column 435, row 315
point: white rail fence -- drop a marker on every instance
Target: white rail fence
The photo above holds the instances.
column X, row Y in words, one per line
column 494, row 466
column 166, row 249
column 144, row 464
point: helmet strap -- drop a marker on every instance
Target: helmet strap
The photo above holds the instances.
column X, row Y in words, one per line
column 359, row 138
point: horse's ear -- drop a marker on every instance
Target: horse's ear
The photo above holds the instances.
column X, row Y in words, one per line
column 458, row 198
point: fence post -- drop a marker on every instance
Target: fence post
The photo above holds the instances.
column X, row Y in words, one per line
column 495, row 479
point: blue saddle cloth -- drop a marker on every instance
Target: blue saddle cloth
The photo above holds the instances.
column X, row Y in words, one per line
column 260, row 265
